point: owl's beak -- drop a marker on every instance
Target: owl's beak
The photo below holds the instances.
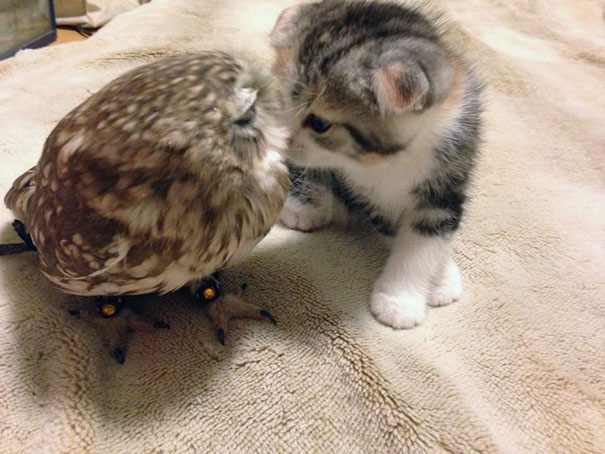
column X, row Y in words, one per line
column 244, row 99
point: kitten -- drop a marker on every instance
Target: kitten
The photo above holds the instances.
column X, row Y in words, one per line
column 385, row 120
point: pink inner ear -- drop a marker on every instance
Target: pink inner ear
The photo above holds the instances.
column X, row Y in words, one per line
column 395, row 89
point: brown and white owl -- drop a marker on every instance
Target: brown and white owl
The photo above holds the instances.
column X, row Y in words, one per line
column 171, row 172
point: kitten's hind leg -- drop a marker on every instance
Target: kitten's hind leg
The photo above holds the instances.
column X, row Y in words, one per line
column 447, row 285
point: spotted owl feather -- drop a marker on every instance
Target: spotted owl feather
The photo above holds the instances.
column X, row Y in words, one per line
column 171, row 172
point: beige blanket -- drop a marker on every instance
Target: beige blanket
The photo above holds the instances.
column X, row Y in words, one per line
column 517, row 366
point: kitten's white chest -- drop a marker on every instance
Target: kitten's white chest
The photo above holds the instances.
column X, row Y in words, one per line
column 389, row 182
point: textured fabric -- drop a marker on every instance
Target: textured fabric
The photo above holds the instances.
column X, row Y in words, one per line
column 91, row 13
column 516, row 366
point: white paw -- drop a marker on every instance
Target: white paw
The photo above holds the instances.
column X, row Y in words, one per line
column 303, row 217
column 448, row 287
column 404, row 311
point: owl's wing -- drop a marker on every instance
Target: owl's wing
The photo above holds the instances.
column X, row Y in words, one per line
column 114, row 255
column 76, row 255
column 77, row 244
column 18, row 196
column 97, row 204
column 79, row 224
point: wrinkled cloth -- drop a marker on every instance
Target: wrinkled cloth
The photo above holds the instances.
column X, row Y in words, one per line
column 516, row 366
column 91, row 13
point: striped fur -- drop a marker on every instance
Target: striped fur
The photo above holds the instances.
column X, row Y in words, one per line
column 385, row 119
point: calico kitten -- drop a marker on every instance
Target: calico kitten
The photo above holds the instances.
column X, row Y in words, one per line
column 385, row 120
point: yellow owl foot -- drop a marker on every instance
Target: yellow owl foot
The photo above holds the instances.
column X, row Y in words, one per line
column 226, row 307
column 115, row 320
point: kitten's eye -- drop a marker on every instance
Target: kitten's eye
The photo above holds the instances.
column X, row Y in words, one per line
column 317, row 124
column 247, row 117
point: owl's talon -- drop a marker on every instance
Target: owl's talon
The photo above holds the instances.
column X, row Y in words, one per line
column 161, row 325
column 230, row 306
column 115, row 326
column 119, row 355
column 268, row 315
column 74, row 312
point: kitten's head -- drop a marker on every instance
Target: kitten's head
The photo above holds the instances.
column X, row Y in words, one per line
column 358, row 79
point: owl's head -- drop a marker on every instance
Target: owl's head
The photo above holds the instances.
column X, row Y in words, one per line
column 183, row 113
column 224, row 112
column 248, row 112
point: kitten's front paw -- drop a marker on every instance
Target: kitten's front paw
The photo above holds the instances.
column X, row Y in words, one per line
column 399, row 312
column 300, row 216
column 447, row 288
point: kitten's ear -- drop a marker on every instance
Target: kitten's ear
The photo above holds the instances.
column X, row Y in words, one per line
column 285, row 28
column 399, row 87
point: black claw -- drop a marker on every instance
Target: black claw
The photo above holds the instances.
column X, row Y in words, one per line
column 161, row 325
column 268, row 315
column 221, row 335
column 119, row 355
column 74, row 312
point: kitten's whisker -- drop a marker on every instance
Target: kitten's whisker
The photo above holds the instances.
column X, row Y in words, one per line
column 289, row 79
column 321, row 93
column 299, row 111
column 298, row 107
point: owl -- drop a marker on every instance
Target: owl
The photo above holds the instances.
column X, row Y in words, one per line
column 168, row 174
